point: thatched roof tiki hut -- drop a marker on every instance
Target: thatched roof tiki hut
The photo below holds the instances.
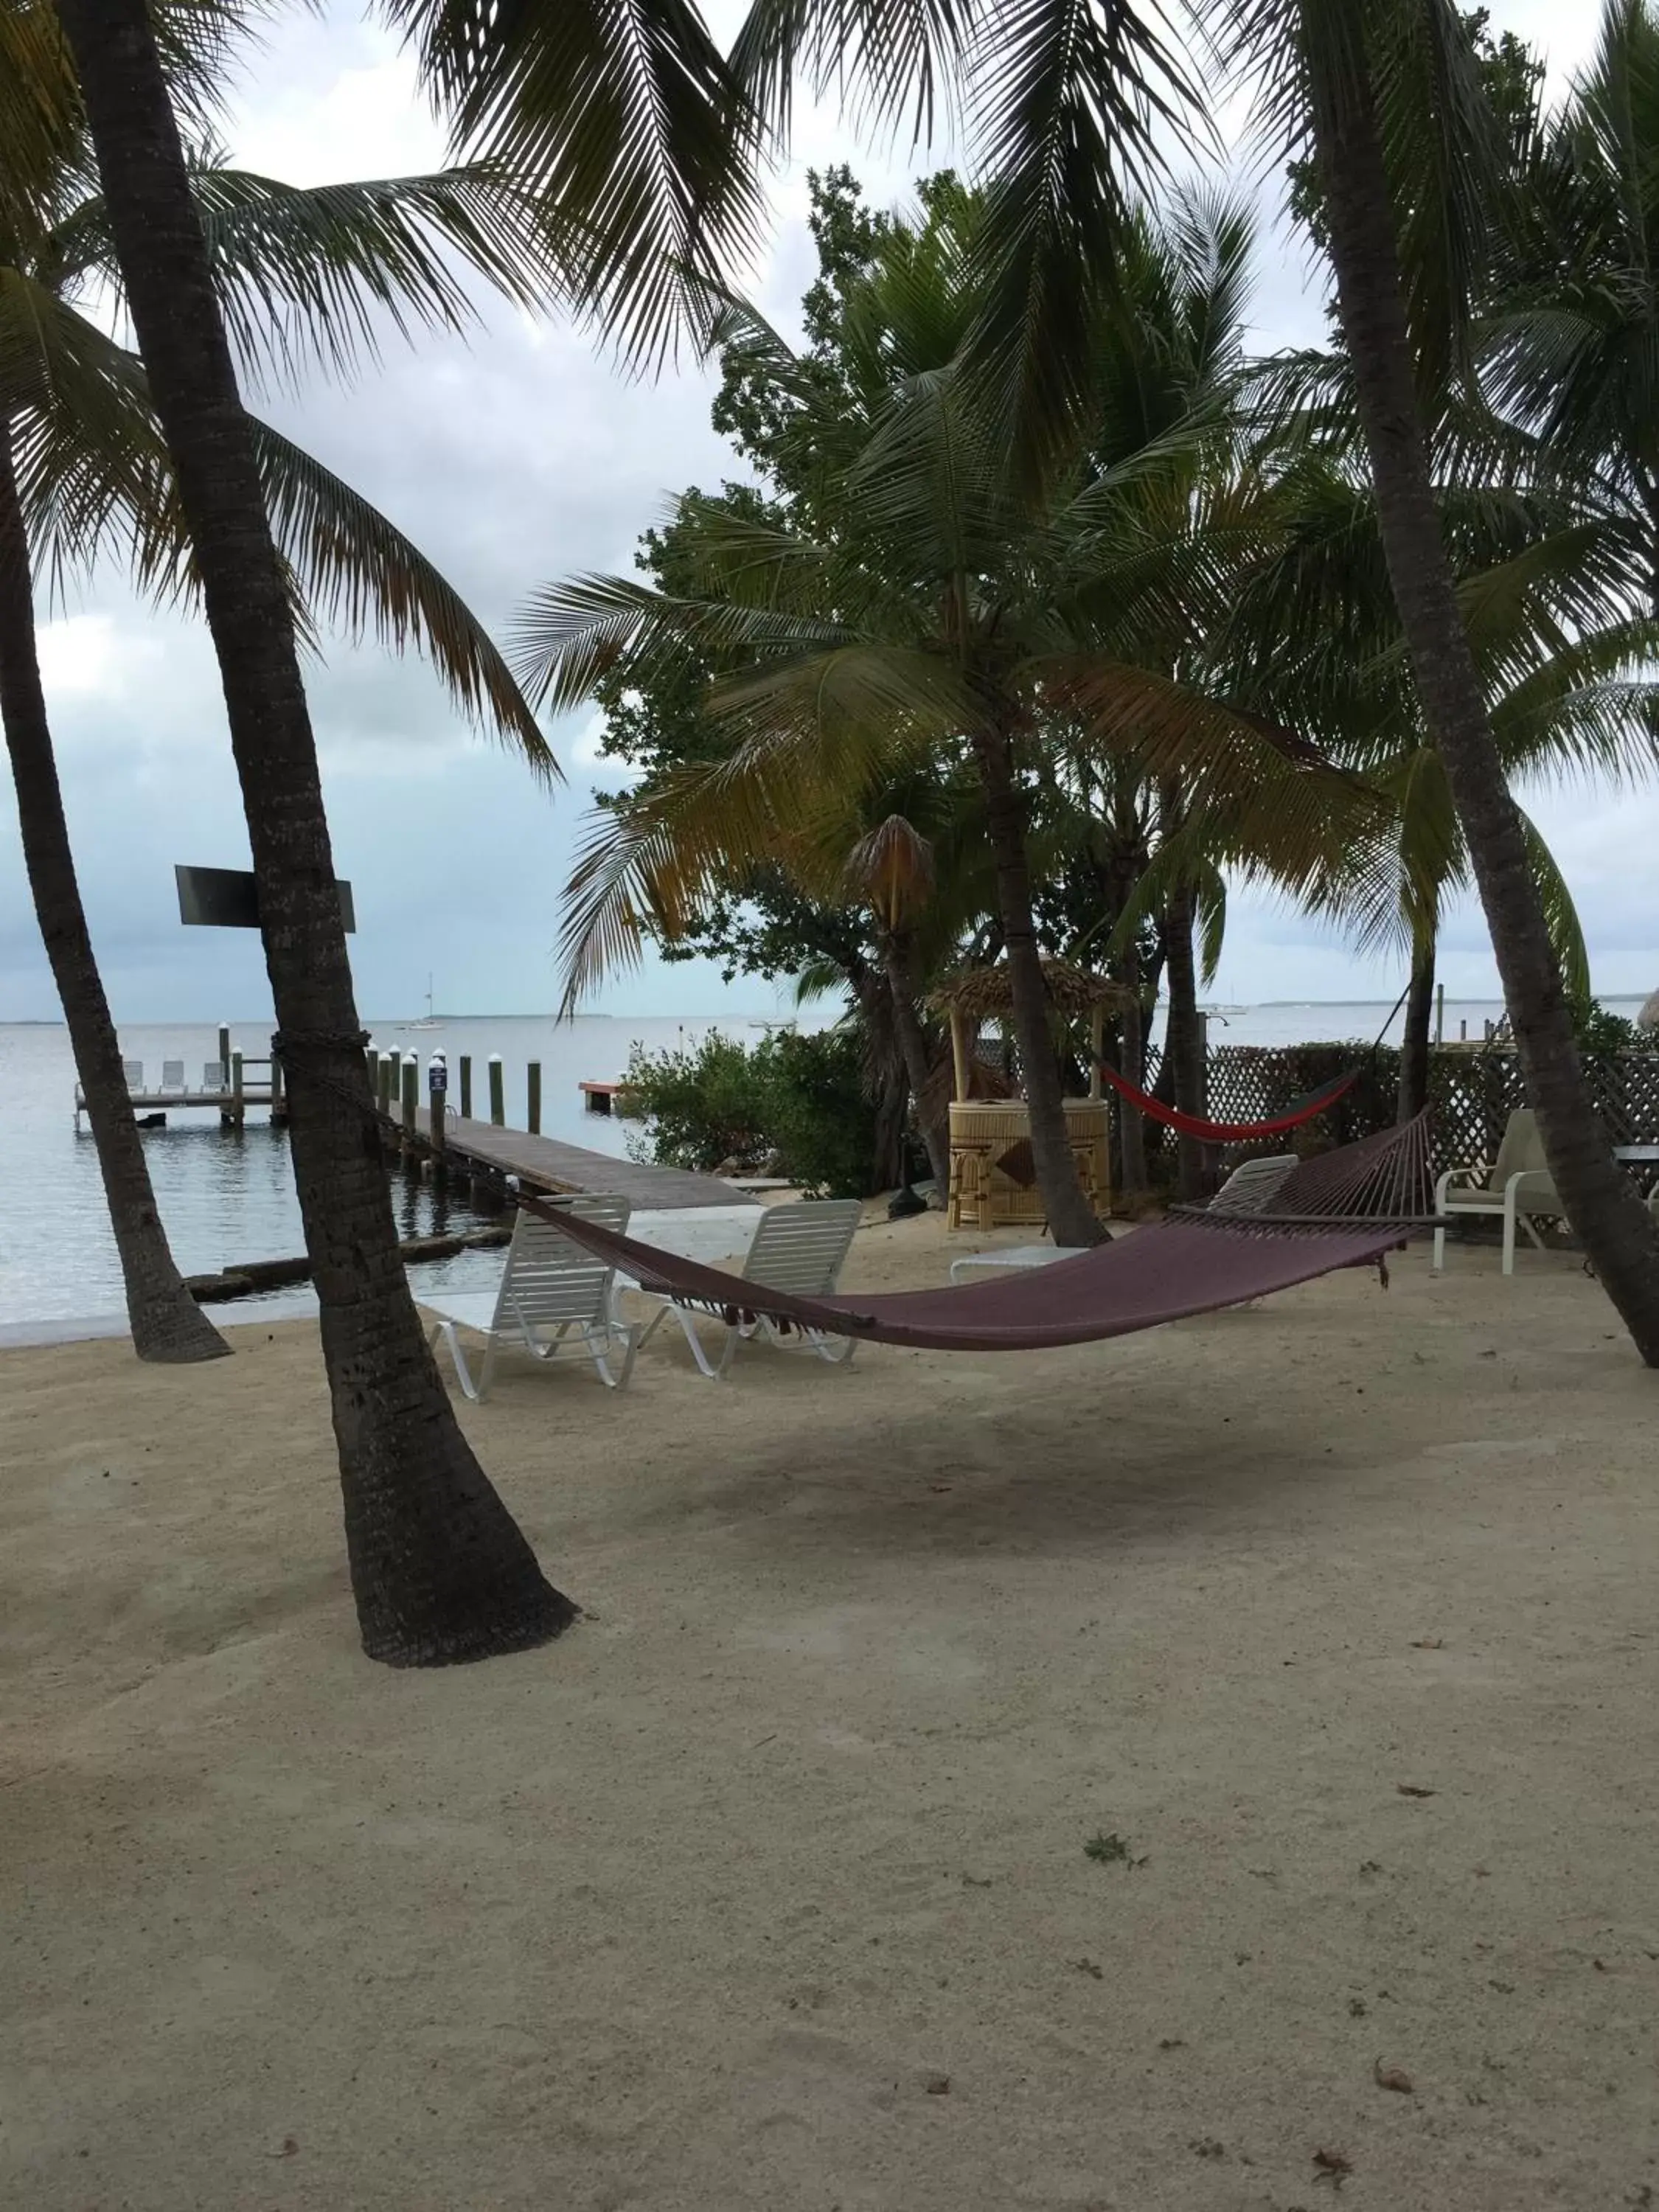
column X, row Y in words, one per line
column 992, row 1176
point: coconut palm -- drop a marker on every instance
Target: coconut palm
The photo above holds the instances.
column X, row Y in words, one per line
column 83, row 468
column 441, row 1570
column 918, row 607
column 1571, row 338
column 1554, row 607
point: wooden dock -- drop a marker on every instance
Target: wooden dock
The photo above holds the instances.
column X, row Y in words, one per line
column 547, row 1163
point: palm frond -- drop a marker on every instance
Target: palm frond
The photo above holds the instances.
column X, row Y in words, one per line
column 358, row 572
column 637, row 134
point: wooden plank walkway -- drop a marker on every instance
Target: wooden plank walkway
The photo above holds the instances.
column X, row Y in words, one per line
column 548, row 1163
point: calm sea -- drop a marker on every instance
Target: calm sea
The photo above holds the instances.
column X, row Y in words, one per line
column 227, row 1197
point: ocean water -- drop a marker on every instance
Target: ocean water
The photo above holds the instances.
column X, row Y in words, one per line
column 226, row 1197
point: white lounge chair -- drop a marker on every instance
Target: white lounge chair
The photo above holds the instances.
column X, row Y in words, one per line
column 797, row 1248
column 173, row 1075
column 1254, row 1185
column 214, row 1078
column 1517, row 1187
column 133, row 1070
column 554, row 1297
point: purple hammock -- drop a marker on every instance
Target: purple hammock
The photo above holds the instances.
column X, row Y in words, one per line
column 1345, row 1208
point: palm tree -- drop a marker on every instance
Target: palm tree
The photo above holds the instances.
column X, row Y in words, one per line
column 439, row 1570
column 82, row 466
column 1388, row 97
column 1569, row 338
column 916, row 607
column 1554, row 606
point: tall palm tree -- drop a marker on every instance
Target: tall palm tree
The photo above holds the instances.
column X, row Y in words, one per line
column 1569, row 340
column 918, row 606
column 1388, row 98
column 1554, row 604
column 84, row 468
column 440, row 1569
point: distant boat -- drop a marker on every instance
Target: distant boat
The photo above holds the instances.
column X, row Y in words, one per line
column 431, row 1021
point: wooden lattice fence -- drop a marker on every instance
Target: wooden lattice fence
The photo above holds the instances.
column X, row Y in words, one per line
column 1473, row 1094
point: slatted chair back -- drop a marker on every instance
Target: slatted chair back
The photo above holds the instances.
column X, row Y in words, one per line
column 548, row 1280
column 800, row 1249
column 133, row 1071
column 1253, row 1186
column 214, row 1077
column 173, row 1075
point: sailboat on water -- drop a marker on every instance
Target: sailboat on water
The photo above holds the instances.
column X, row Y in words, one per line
column 430, row 1020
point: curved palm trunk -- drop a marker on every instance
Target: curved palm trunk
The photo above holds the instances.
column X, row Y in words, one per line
column 166, row 1323
column 1611, row 1220
column 1413, row 1094
column 1183, row 1045
column 439, row 1569
column 899, row 955
column 1071, row 1221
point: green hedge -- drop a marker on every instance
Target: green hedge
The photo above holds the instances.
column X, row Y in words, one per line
column 795, row 1105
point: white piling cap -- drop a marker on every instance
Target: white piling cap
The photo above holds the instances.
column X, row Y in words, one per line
column 494, row 1060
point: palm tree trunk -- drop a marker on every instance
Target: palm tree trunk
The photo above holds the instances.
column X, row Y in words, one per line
column 1609, row 1217
column 899, row 953
column 439, row 1570
column 1181, row 1045
column 1414, row 1044
column 1070, row 1217
column 166, row 1321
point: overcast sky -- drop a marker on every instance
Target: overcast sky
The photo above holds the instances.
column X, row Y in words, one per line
column 515, row 457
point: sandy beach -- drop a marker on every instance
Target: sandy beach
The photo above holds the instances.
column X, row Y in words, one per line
column 1329, row 1622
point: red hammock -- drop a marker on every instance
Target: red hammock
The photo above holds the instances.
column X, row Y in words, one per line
column 1299, row 1111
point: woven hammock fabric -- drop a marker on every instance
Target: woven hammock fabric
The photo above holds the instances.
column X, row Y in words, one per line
column 1345, row 1209
column 1307, row 1108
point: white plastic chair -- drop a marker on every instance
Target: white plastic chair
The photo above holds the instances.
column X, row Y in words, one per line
column 1517, row 1186
column 554, row 1297
column 796, row 1249
column 173, row 1075
column 133, row 1070
column 214, row 1077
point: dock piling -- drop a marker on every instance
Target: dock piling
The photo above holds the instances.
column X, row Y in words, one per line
column 437, row 1100
column 533, row 1104
column 497, row 1092
column 411, row 1100
column 239, row 1103
column 466, row 1086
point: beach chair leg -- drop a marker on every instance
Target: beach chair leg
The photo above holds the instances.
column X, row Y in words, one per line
column 1509, row 1237
column 445, row 1330
column 1438, row 1264
column 1528, row 1224
column 600, row 1343
column 835, row 1349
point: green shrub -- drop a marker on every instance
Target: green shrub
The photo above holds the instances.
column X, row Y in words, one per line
column 795, row 1105
column 1601, row 1035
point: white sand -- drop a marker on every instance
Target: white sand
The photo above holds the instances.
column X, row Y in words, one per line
column 687, row 1912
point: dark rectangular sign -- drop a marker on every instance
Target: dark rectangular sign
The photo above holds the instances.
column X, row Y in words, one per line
column 225, row 898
